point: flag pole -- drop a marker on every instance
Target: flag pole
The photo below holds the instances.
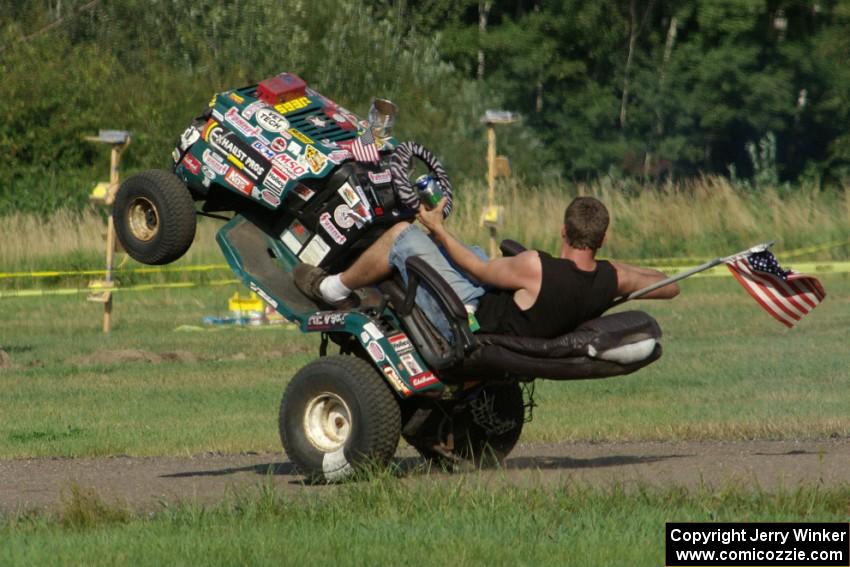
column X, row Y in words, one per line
column 688, row 273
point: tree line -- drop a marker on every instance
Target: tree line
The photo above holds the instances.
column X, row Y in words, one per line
column 756, row 89
column 654, row 87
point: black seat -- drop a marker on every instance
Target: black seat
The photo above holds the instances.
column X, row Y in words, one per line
column 611, row 345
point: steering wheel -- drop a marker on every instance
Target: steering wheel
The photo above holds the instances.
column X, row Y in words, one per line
column 400, row 166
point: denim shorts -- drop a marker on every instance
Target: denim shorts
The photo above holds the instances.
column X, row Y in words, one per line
column 413, row 242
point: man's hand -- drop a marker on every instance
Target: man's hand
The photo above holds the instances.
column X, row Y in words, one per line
column 433, row 219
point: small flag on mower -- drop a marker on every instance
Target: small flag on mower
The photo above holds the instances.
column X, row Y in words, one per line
column 364, row 148
column 785, row 294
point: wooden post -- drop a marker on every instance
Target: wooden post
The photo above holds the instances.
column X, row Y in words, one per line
column 104, row 193
column 491, row 184
column 114, row 178
column 110, row 255
column 491, row 216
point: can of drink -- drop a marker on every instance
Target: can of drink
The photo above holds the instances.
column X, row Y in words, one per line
column 429, row 190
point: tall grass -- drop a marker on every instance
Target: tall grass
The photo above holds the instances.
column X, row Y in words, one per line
column 704, row 217
column 71, row 240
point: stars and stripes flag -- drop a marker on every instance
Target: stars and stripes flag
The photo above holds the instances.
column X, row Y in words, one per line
column 785, row 294
column 364, row 148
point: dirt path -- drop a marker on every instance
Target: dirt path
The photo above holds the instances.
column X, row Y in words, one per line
column 143, row 482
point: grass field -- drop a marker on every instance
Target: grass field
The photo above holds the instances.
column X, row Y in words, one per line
column 389, row 522
column 159, row 385
column 729, row 372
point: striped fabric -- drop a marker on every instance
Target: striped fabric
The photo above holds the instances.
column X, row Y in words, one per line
column 785, row 294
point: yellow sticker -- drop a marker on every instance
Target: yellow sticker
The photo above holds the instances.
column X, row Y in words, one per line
column 299, row 136
column 292, row 105
column 236, row 98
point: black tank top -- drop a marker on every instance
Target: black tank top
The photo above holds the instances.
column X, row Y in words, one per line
column 568, row 297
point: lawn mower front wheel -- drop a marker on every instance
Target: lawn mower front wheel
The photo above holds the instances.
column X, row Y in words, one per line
column 154, row 217
column 337, row 417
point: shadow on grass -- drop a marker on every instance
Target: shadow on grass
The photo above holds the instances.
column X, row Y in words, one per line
column 282, row 469
column 411, row 466
column 568, row 463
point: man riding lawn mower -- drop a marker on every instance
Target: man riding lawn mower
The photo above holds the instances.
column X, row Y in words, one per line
column 315, row 190
column 530, row 294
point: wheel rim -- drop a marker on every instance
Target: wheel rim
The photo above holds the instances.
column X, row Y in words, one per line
column 327, row 422
column 143, row 219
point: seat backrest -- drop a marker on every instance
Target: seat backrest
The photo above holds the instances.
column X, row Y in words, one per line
column 511, row 247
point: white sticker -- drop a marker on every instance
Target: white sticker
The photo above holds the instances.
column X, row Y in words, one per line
column 339, row 156
column 234, row 118
column 410, row 363
column 291, row 167
column 270, row 120
column 373, row 331
column 276, row 181
column 364, row 337
column 375, row 351
column 271, row 198
column 294, row 148
column 248, row 111
column 342, row 216
column 190, row 136
column 215, row 162
column 331, row 229
column 291, row 242
column 380, row 178
column 348, row 194
column 315, row 251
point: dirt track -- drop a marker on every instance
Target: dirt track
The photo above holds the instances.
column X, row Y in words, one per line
column 143, row 482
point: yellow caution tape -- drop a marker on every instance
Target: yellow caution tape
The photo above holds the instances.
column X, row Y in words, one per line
column 677, row 261
column 689, row 260
column 136, row 288
column 810, row 268
column 150, row 270
column 816, row 248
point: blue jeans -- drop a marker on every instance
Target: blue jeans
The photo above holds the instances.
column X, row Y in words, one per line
column 413, row 242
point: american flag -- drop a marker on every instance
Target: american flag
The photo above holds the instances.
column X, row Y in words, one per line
column 785, row 294
column 364, row 148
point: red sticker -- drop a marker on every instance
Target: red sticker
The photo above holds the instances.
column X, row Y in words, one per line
column 192, row 164
column 239, row 181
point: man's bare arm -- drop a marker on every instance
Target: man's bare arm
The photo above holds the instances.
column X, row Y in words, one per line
column 517, row 272
column 631, row 278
